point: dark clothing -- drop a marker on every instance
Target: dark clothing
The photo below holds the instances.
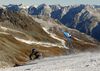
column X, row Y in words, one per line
column 37, row 57
column 36, row 53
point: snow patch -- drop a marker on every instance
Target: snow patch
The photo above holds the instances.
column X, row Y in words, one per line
column 5, row 29
column 4, row 33
column 77, row 38
column 2, row 7
column 33, row 42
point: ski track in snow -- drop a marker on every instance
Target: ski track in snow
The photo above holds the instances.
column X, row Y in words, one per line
column 79, row 62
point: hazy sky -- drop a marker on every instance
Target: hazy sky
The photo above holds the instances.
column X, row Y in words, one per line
column 50, row 2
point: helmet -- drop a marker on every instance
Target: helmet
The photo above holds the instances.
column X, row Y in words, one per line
column 33, row 50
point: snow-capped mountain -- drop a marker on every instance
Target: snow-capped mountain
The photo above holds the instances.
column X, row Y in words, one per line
column 84, row 18
column 20, row 6
column 10, row 5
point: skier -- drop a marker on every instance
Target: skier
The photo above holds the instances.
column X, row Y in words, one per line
column 37, row 54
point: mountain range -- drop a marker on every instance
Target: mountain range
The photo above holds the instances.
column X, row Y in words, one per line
column 23, row 28
column 85, row 18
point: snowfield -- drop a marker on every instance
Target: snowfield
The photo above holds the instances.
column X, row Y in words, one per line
column 78, row 62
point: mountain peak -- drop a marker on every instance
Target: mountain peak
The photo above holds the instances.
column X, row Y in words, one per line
column 2, row 7
column 41, row 5
column 23, row 6
column 9, row 5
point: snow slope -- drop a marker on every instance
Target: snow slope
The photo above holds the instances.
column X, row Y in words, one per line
column 79, row 62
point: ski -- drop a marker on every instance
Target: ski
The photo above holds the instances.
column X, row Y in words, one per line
column 22, row 63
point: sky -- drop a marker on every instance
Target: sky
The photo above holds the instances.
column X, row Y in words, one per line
column 50, row 2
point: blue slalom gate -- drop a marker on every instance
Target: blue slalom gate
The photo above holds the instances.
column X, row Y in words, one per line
column 68, row 42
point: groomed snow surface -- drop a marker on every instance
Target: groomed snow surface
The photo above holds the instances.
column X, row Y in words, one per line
column 78, row 62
